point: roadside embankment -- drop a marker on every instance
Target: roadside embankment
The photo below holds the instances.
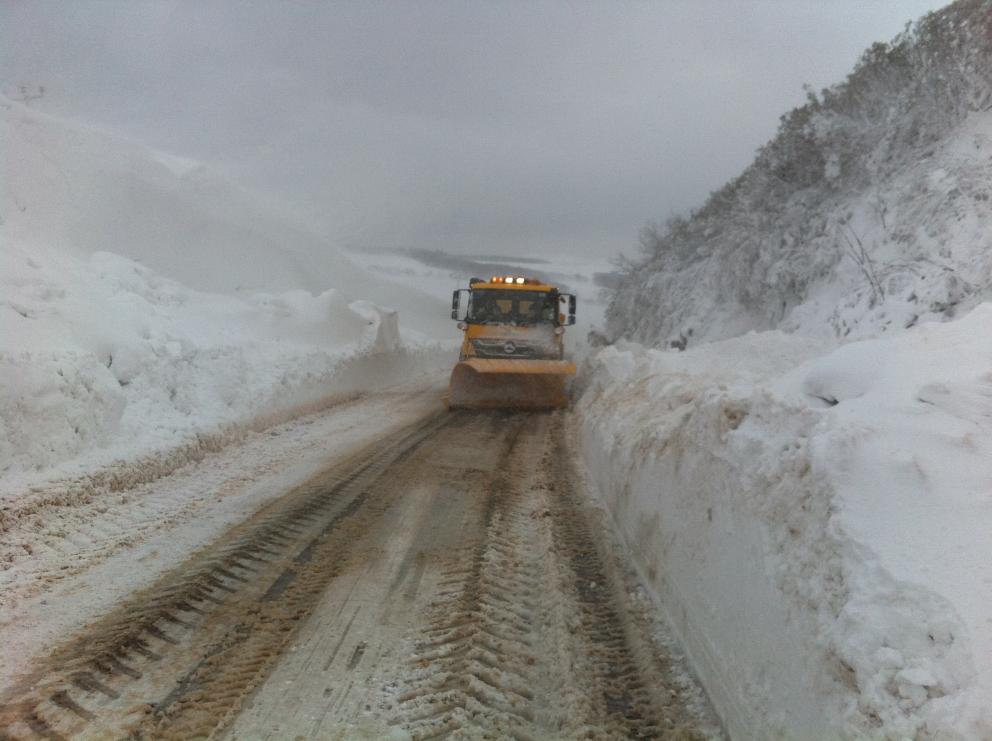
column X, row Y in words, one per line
column 812, row 520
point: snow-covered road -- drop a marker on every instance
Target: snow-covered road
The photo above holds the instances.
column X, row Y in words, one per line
column 66, row 566
column 383, row 568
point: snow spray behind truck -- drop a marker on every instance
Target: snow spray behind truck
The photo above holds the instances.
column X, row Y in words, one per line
column 513, row 351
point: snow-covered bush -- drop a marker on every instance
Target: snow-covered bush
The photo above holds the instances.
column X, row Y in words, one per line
column 874, row 192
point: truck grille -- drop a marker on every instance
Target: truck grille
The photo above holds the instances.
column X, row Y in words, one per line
column 505, row 349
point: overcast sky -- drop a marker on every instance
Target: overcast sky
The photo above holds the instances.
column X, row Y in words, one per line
column 512, row 127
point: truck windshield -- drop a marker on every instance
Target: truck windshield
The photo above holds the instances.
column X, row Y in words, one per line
column 512, row 307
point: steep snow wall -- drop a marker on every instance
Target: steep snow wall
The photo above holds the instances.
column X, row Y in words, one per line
column 813, row 520
column 870, row 210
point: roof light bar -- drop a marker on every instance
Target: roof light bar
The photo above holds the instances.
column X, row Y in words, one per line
column 519, row 280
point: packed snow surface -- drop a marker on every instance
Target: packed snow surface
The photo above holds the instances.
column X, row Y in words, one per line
column 82, row 559
column 814, row 519
column 151, row 310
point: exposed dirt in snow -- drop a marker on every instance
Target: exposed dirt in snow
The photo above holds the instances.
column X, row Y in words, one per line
column 445, row 580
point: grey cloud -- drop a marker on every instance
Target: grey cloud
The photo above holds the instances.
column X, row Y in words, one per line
column 473, row 126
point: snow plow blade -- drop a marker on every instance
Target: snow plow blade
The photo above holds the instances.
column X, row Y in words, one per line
column 509, row 384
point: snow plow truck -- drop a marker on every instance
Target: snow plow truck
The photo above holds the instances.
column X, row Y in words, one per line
column 513, row 351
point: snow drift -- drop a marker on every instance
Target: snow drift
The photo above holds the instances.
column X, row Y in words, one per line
column 814, row 521
column 148, row 309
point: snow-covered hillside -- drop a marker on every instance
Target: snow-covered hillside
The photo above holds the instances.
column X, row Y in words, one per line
column 149, row 309
column 807, row 487
column 870, row 210
column 81, row 191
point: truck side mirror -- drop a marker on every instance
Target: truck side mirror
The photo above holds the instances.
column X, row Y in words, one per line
column 570, row 297
column 459, row 304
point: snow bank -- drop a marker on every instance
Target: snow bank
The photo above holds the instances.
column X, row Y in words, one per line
column 814, row 521
column 105, row 359
column 150, row 311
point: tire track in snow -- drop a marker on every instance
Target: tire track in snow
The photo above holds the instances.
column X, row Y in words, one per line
column 448, row 583
column 212, row 626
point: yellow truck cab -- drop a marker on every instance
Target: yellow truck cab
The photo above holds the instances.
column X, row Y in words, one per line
column 513, row 351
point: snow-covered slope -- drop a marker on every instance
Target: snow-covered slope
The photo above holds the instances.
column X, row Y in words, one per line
column 82, row 191
column 811, row 502
column 870, row 210
column 149, row 311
